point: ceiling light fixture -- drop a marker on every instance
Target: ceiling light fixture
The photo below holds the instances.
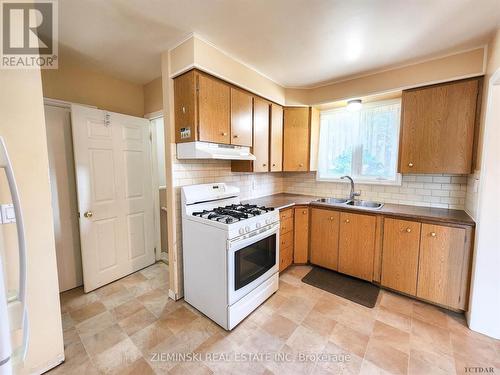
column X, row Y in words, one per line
column 354, row 105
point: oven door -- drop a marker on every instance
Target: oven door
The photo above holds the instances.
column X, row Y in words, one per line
column 252, row 259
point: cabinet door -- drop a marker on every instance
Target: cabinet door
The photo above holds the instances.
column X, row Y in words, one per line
column 213, row 110
column 185, row 107
column 301, row 235
column 400, row 255
column 261, row 135
column 276, row 142
column 442, row 253
column 438, row 128
column 296, row 132
column 286, row 257
column 324, row 238
column 357, row 245
column 241, row 118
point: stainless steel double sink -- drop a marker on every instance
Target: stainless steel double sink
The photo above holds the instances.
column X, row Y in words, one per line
column 351, row 203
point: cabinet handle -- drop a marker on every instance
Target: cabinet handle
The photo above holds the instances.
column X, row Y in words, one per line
column 264, row 165
column 223, row 134
column 282, row 242
column 331, row 218
column 301, row 165
column 304, row 212
column 183, row 109
column 347, row 221
column 283, row 227
column 433, row 234
column 236, row 136
column 408, row 230
column 410, row 165
column 274, row 164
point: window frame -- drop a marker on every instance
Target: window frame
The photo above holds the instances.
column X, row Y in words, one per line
column 357, row 153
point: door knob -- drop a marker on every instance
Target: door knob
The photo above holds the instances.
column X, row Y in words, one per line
column 88, row 214
column 410, row 165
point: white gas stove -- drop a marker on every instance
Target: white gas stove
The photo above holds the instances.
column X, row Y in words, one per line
column 230, row 252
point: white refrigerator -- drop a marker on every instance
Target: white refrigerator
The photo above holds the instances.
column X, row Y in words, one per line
column 18, row 352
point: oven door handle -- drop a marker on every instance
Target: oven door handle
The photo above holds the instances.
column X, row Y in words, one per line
column 237, row 244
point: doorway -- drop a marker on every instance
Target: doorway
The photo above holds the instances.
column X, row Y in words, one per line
column 84, row 248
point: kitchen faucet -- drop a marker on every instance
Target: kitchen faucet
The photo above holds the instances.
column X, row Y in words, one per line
column 353, row 194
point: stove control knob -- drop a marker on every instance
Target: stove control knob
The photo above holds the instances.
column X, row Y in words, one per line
column 242, row 230
column 258, row 225
column 268, row 221
column 247, row 229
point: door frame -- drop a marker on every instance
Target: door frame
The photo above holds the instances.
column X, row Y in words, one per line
column 154, row 174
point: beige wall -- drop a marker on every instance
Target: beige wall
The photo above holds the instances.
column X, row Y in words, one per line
column 153, row 96
column 492, row 64
column 447, row 68
column 23, row 128
column 77, row 83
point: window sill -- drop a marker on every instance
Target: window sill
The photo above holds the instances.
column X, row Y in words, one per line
column 362, row 181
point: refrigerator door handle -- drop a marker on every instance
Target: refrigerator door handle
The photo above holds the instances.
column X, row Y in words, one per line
column 6, row 164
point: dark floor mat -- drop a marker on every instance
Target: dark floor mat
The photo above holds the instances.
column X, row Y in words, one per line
column 353, row 289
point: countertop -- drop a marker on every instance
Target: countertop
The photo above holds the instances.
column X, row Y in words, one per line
column 284, row 200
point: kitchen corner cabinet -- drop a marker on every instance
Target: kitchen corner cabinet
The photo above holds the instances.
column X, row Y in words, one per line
column 301, row 235
column 296, row 138
column 324, row 238
column 276, row 139
column 400, row 251
column 241, row 117
column 438, row 126
column 357, row 245
column 201, row 108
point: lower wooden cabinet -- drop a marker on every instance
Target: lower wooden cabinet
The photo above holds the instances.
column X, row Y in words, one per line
column 324, row 243
column 301, row 235
column 286, row 238
column 442, row 274
column 357, row 245
column 400, row 255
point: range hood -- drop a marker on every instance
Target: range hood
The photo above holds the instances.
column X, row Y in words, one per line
column 206, row 150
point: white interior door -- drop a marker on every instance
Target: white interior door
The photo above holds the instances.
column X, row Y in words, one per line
column 114, row 187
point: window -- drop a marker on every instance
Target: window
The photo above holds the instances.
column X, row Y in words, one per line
column 362, row 144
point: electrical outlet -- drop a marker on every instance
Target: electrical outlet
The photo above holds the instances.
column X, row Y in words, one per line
column 8, row 213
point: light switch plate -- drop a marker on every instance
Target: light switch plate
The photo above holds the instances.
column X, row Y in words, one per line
column 8, row 213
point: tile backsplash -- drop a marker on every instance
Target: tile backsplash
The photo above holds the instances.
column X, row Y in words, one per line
column 444, row 191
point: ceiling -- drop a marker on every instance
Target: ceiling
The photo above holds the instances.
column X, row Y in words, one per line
column 297, row 43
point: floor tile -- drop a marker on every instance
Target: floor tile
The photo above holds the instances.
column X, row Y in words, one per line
column 386, row 357
column 126, row 309
column 88, row 311
column 394, row 318
column 118, row 357
column 349, row 339
column 103, row 340
column 279, row 326
column 137, row 321
column 392, row 336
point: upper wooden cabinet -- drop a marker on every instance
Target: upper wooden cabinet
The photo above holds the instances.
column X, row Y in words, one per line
column 261, row 135
column 241, row 118
column 438, row 124
column 324, row 243
column 400, row 255
column 443, row 265
column 357, row 245
column 301, row 235
column 213, row 110
column 276, row 141
column 296, row 139
column 201, row 108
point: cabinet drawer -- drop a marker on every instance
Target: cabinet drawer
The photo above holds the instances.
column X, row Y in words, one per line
column 286, row 214
column 286, row 257
column 286, row 239
column 286, row 225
